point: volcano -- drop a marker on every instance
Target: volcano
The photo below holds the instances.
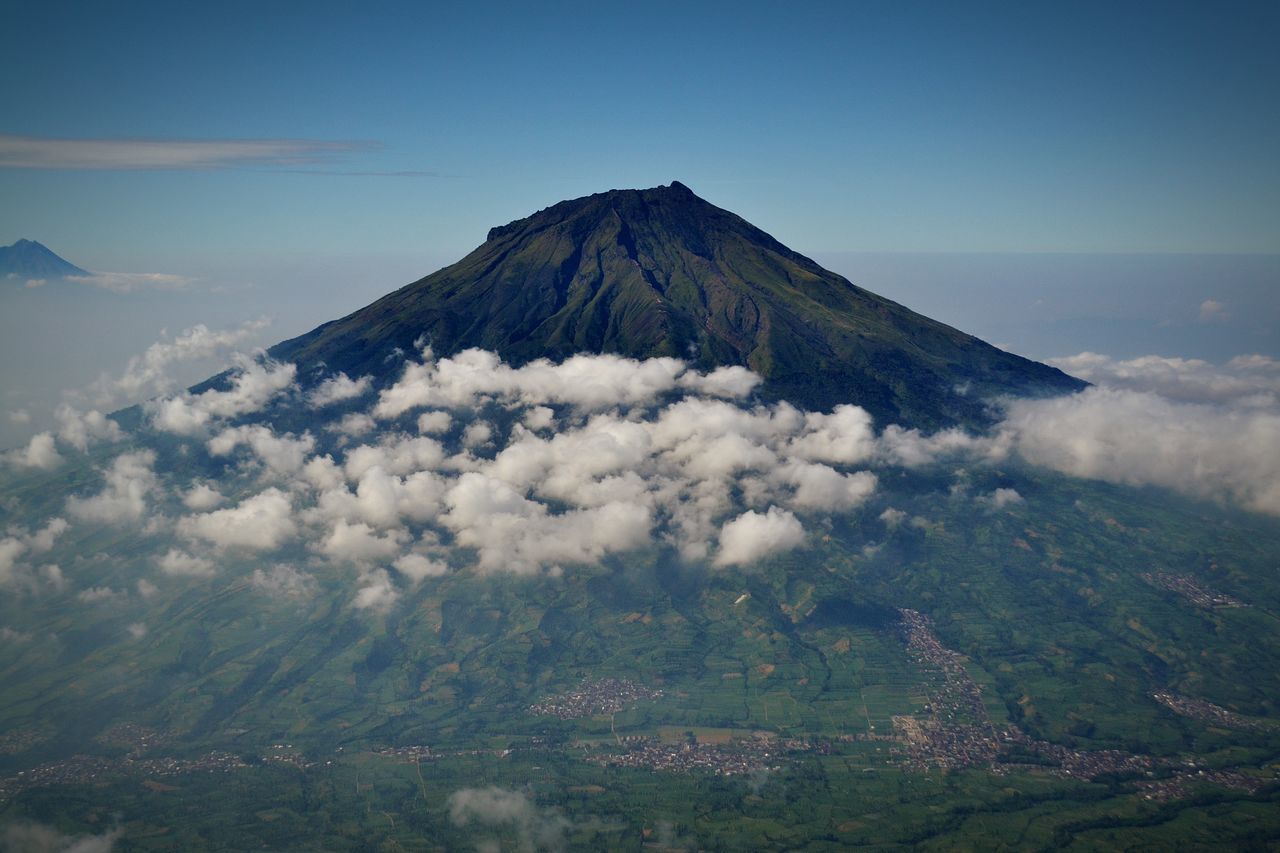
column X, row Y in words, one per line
column 662, row 272
column 30, row 259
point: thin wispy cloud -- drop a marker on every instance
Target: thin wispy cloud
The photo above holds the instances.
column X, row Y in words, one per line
column 129, row 282
column 1213, row 311
column 368, row 173
column 309, row 155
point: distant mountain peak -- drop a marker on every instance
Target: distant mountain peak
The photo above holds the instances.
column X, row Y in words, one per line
column 663, row 272
column 31, row 259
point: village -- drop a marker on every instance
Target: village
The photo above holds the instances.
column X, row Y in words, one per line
column 957, row 732
column 1181, row 784
column 1191, row 589
column 735, row 757
column 89, row 769
column 594, row 696
column 1209, row 713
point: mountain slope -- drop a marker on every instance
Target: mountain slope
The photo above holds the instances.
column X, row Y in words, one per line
column 29, row 259
column 662, row 272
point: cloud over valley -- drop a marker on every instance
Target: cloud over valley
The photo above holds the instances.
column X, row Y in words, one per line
column 1203, row 430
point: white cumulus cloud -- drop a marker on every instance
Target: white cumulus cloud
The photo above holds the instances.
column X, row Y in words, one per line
column 129, row 480
column 263, row 522
column 202, row 497
column 376, row 593
column 588, row 382
column 418, row 567
column 149, row 372
column 80, row 429
column 41, row 452
column 252, row 387
column 359, row 543
column 753, row 535
column 337, row 389
column 1002, row 497
column 178, row 562
column 280, row 454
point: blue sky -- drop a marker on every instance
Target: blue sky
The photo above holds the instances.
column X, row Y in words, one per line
column 1029, row 126
column 298, row 160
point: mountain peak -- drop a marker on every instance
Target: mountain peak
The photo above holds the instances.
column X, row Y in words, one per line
column 662, row 272
column 620, row 201
column 31, row 259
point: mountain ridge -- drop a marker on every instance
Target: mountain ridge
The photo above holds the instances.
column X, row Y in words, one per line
column 662, row 272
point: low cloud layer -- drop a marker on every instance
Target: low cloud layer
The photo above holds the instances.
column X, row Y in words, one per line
column 593, row 456
column 1210, row 431
column 81, row 420
column 128, row 282
column 1141, row 438
column 178, row 562
column 1251, row 381
column 468, row 464
column 37, row 838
